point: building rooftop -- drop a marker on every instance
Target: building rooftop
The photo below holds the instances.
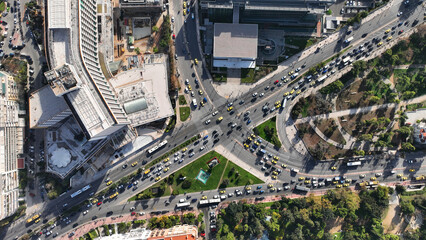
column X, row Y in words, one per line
column 44, row 105
column 144, row 91
column 235, row 40
column 59, row 13
column 63, row 79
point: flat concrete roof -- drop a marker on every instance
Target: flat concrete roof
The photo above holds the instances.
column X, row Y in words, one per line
column 59, row 13
column 44, row 105
column 235, row 40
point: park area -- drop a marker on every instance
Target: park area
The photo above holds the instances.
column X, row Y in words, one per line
column 268, row 131
column 224, row 174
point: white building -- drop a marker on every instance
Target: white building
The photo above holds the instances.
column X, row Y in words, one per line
column 235, row 45
column 11, row 145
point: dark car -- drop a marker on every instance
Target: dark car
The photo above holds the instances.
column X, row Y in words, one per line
column 94, row 217
column 75, row 225
column 109, row 213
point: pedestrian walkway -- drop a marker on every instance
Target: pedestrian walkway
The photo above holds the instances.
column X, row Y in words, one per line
column 231, row 157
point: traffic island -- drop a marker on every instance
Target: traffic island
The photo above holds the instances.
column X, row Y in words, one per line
column 224, row 174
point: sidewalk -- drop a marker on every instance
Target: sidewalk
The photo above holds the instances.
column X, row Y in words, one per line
column 231, row 157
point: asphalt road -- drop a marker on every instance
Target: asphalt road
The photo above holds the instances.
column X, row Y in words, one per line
column 233, row 140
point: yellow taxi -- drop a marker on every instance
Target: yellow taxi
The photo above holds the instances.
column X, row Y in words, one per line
column 380, row 44
column 270, row 185
column 399, row 175
column 389, row 38
column 203, row 197
column 274, row 177
column 298, row 92
column 166, row 160
column 184, row 150
column 277, row 102
column 202, row 103
column 274, row 162
column 37, row 220
column 348, row 180
column 189, row 87
column 333, row 168
column 200, row 92
column 292, row 91
column 184, row 5
column 274, row 173
column 286, row 94
column 346, row 185
column 278, row 106
column 404, row 178
column 307, row 181
column 249, row 139
column 113, row 195
column 253, row 136
column 248, row 188
column 166, row 169
column 387, row 31
column 256, row 142
column 412, row 170
column 196, row 61
column 283, row 165
column 94, row 201
column 373, row 178
column 134, row 164
column 109, row 182
column 184, row 12
column 301, row 178
column 272, row 189
column 335, row 182
column 222, row 192
column 290, row 73
column 276, row 158
column 230, row 108
column 220, row 119
column 157, row 179
column 338, row 186
column 246, row 145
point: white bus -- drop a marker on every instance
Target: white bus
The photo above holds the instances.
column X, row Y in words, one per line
column 322, row 78
column 182, row 205
column 158, row 146
column 214, row 201
column 304, row 189
column 357, row 163
column 85, row 188
column 349, row 40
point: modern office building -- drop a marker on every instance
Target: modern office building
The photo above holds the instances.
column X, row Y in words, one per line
column 235, row 45
column 76, row 74
column 137, row 7
column 11, row 144
column 270, row 13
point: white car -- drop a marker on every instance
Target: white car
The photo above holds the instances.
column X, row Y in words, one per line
column 378, row 174
column 230, row 194
column 202, row 148
column 173, row 19
column 85, row 212
column 208, row 121
column 254, row 94
column 298, row 69
column 182, row 200
column 216, row 196
column 214, row 113
column 261, row 95
column 187, row 81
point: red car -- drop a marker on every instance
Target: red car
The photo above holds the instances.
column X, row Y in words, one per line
column 173, row 36
column 276, row 81
column 203, row 234
column 133, row 213
column 99, row 203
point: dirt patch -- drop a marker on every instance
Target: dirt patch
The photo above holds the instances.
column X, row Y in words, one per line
column 330, row 130
column 355, row 96
column 335, row 225
column 393, row 222
column 311, row 106
column 354, row 124
column 319, row 148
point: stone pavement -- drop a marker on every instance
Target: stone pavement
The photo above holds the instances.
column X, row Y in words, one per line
column 231, row 157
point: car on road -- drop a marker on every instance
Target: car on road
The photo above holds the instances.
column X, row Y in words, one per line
column 196, row 61
column 208, row 121
column 109, row 183
column 214, row 113
column 373, row 178
column 158, row 178
column 220, row 119
column 134, row 164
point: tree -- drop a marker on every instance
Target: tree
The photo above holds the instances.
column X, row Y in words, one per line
column 186, row 184
column 138, row 51
column 155, row 29
column 399, row 189
column 408, row 94
column 225, row 183
column 408, row 147
column 374, row 99
column 407, row 207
